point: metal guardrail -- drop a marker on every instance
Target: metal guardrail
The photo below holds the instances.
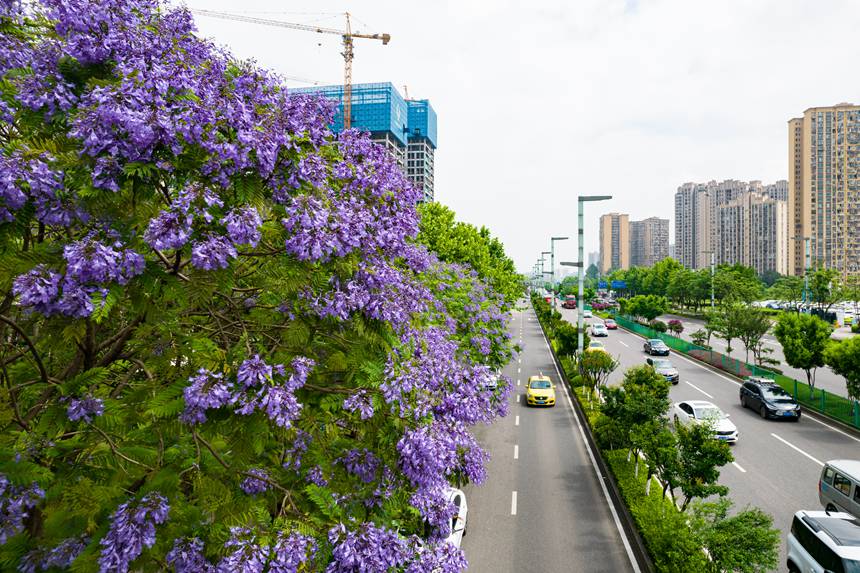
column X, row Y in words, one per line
column 823, row 402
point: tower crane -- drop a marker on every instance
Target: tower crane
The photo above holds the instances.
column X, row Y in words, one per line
column 347, row 36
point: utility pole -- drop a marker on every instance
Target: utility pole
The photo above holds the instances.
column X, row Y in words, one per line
column 543, row 271
column 580, row 231
column 552, row 263
column 713, row 270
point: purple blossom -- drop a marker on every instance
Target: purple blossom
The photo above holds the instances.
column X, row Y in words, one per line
column 441, row 557
column 132, row 528
column 293, row 455
column 315, row 476
column 38, row 288
column 187, row 556
column 85, row 408
column 208, row 390
column 213, row 253
column 368, row 548
column 89, row 261
column 291, row 551
column 254, row 372
column 169, row 230
column 15, row 505
column 246, row 555
column 243, row 226
column 361, row 402
column 361, row 463
column 60, row 556
column 256, row 482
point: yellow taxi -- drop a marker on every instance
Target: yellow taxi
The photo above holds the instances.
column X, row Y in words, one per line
column 595, row 346
column 540, row 391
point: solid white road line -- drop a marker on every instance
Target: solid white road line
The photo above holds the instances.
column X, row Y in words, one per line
column 624, row 343
column 633, row 563
column 837, row 430
column 516, row 452
column 517, row 421
column 742, row 470
column 513, row 503
column 699, row 389
column 798, row 450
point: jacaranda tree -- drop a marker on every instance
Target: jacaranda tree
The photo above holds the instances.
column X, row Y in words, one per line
column 221, row 346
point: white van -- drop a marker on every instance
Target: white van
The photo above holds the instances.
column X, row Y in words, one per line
column 839, row 486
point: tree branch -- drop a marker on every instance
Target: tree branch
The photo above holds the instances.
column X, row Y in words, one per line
column 42, row 371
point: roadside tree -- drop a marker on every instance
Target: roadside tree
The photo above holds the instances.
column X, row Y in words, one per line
column 753, row 323
column 642, row 399
column 745, row 542
column 675, row 326
column 594, row 368
column 844, row 359
column 804, row 339
column 825, row 288
column 700, row 459
column 728, row 323
column 787, row 289
column 648, row 307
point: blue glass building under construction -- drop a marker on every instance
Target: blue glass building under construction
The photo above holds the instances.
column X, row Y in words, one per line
column 405, row 127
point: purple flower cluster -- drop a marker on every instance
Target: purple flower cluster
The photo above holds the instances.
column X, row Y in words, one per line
column 85, row 408
column 256, row 482
column 90, row 266
column 360, row 402
column 259, row 387
column 293, row 455
column 187, row 556
column 15, row 505
column 132, row 528
column 361, row 463
column 243, row 226
column 34, row 180
column 288, row 553
column 368, row 548
column 60, row 556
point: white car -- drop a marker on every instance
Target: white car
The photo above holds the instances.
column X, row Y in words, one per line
column 599, row 330
column 491, row 383
column 702, row 411
column 587, row 314
column 458, row 520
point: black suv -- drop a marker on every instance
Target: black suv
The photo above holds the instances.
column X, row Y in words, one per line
column 769, row 399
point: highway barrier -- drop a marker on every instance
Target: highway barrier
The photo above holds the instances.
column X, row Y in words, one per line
column 823, row 402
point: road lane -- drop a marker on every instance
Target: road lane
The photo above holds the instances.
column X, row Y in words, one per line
column 542, row 507
column 779, row 458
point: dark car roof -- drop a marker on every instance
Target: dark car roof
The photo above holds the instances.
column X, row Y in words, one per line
column 846, row 532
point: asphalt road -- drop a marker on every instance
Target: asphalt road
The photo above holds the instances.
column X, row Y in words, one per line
column 542, row 507
column 824, row 377
column 777, row 463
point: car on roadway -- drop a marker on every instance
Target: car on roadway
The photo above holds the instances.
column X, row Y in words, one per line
column 599, row 329
column 839, row 486
column 569, row 303
column 610, row 324
column 540, row 391
column 665, row 368
column 704, row 412
column 587, row 314
column 595, row 346
column 766, row 397
column 656, row 347
column 458, row 521
column 823, row 541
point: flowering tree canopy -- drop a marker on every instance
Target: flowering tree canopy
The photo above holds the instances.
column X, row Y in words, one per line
column 223, row 347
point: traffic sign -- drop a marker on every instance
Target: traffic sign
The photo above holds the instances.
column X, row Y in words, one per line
column 619, row 284
column 601, row 284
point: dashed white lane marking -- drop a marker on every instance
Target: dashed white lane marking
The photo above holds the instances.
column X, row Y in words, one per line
column 517, row 421
column 518, row 383
column 798, row 450
column 699, row 389
column 513, row 503
column 624, row 343
column 518, row 398
column 518, row 370
column 519, row 360
column 742, row 470
column 516, row 451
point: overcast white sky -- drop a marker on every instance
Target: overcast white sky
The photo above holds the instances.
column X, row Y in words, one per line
column 543, row 100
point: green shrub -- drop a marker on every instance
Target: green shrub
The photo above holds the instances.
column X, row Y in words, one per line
column 855, row 326
column 658, row 325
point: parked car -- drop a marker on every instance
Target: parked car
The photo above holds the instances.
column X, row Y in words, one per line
column 599, row 329
column 610, row 324
column 656, row 347
column 458, row 520
column 839, row 486
column 665, row 368
column 540, row 391
column 701, row 412
column 820, row 542
column 595, row 346
column 769, row 399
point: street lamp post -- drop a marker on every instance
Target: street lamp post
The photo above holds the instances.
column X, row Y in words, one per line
column 806, row 241
column 580, row 303
column 552, row 262
column 713, row 261
column 542, row 269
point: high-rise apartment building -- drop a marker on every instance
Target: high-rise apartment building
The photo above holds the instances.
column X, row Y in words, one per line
column 649, row 241
column 594, row 259
column 752, row 230
column 614, row 242
column 406, row 128
column 824, row 185
column 739, row 222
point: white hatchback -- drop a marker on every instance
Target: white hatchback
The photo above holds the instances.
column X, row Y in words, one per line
column 702, row 411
